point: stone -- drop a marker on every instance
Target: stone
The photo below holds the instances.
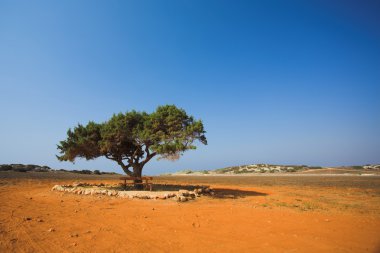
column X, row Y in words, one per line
column 112, row 193
column 57, row 188
column 87, row 191
column 192, row 195
column 51, row 230
column 182, row 199
column 198, row 190
column 171, row 195
column 181, row 196
column 122, row 194
column 183, row 193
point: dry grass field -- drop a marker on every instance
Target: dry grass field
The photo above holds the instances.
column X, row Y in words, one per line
column 264, row 213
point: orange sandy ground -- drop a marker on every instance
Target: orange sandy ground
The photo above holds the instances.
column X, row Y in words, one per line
column 277, row 222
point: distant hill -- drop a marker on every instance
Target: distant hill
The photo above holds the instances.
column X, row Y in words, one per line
column 271, row 168
column 39, row 168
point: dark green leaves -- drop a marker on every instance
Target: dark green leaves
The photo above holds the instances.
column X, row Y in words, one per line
column 174, row 131
column 82, row 142
column 135, row 137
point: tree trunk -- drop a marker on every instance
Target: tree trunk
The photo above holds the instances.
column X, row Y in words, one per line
column 137, row 172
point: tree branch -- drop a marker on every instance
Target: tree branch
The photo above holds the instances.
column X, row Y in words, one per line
column 122, row 165
column 148, row 155
column 147, row 159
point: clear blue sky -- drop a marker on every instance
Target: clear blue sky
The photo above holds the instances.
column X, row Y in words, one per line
column 289, row 82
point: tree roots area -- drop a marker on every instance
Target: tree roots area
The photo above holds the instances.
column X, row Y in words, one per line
column 180, row 193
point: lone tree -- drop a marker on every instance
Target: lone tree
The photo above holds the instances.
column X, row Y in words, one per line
column 132, row 139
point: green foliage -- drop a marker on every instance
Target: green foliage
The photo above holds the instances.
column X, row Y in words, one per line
column 133, row 138
column 82, row 171
column 24, row 168
column 291, row 169
column 315, row 168
column 82, row 142
column 21, row 169
column 223, row 170
column 5, row 167
column 30, row 166
column 172, row 131
column 238, row 171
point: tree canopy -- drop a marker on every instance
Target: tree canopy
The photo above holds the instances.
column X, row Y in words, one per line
column 133, row 138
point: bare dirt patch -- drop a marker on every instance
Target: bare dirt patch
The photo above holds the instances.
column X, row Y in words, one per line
column 242, row 216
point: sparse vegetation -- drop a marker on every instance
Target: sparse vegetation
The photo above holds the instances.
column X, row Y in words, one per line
column 24, row 168
column 315, row 168
column 271, row 168
column 38, row 168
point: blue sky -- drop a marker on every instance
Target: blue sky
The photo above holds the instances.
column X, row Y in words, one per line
column 288, row 82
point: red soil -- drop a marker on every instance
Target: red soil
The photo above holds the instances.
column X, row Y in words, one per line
column 35, row 219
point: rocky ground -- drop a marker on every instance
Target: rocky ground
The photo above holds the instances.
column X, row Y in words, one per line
column 116, row 190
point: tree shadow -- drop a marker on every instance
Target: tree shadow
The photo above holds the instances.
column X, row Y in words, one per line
column 177, row 187
column 224, row 193
column 218, row 193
